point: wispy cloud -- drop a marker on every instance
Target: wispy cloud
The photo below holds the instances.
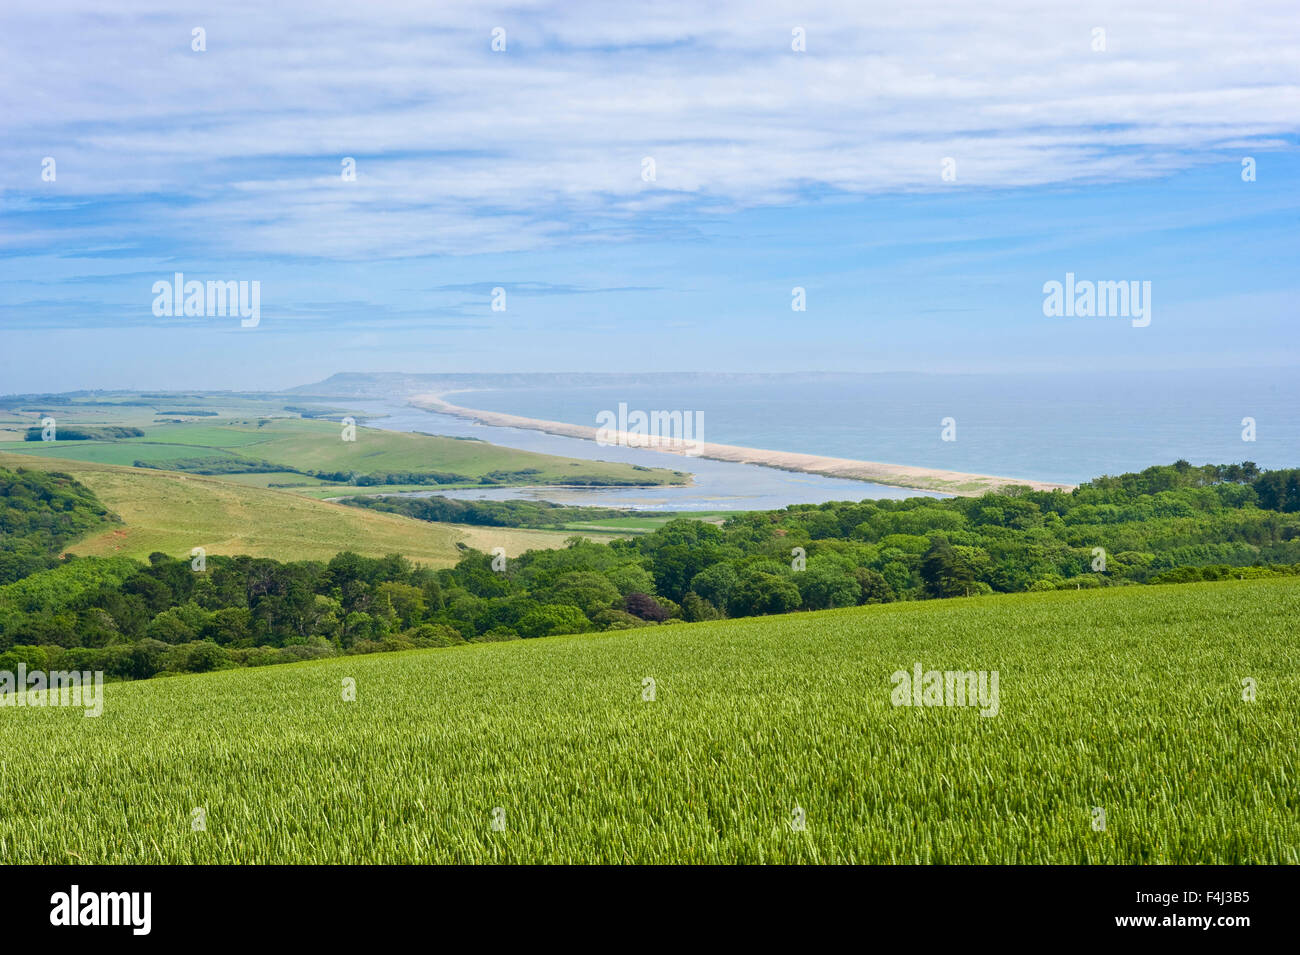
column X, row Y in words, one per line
column 238, row 150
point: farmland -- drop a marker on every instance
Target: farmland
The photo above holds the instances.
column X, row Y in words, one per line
column 173, row 513
column 270, row 434
column 1128, row 700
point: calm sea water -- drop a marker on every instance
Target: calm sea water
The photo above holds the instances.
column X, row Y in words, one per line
column 1061, row 427
column 715, row 486
column 1066, row 428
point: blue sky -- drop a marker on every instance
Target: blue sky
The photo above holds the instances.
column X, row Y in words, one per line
column 523, row 169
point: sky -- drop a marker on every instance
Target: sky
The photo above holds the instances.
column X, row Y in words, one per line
column 648, row 184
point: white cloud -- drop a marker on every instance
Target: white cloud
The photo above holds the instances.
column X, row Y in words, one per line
column 462, row 150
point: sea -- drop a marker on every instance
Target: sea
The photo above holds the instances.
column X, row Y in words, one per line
column 1065, row 427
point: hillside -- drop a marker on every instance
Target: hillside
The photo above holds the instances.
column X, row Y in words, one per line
column 172, row 513
column 386, row 384
column 41, row 512
column 1127, row 700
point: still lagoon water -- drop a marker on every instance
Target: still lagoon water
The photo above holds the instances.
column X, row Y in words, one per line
column 716, row 485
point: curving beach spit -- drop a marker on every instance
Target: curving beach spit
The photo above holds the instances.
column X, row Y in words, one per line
column 895, row 475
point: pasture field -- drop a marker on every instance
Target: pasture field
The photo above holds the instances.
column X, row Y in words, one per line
column 1127, row 699
column 309, row 445
column 171, row 512
column 124, row 452
column 141, row 410
column 300, row 482
column 326, row 492
column 648, row 521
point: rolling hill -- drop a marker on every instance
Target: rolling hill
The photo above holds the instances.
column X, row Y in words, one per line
column 170, row 512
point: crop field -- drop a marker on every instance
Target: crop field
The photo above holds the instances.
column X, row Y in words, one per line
column 172, row 513
column 767, row 740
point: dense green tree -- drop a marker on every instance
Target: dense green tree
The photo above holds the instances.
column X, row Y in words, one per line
column 681, row 549
column 402, row 601
column 717, row 584
column 823, row 586
column 41, row 512
column 944, row 571
column 764, row 593
column 550, row 619
column 587, row 590
column 695, row 608
column 170, row 626
column 873, row 588
column 133, row 619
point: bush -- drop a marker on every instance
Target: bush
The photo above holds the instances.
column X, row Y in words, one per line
column 618, row 620
column 553, row 619
column 428, row 635
column 201, row 656
column 496, row 635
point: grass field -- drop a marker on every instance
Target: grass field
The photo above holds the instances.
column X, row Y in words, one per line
column 631, row 526
column 172, row 513
column 301, row 482
column 131, row 408
column 1128, row 699
column 314, row 445
column 123, row 453
column 648, row 521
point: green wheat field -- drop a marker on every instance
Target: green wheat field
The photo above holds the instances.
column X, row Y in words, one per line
column 1129, row 700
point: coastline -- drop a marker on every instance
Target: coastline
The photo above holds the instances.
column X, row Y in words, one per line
column 957, row 483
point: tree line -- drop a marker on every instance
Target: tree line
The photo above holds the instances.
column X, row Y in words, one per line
column 1165, row 524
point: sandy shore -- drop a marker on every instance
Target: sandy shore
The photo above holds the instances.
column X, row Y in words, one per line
column 895, row 475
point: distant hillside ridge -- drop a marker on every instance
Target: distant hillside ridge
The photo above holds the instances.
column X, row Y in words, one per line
column 388, row 384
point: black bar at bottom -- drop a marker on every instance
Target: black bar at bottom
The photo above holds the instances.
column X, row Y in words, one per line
column 304, row 904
